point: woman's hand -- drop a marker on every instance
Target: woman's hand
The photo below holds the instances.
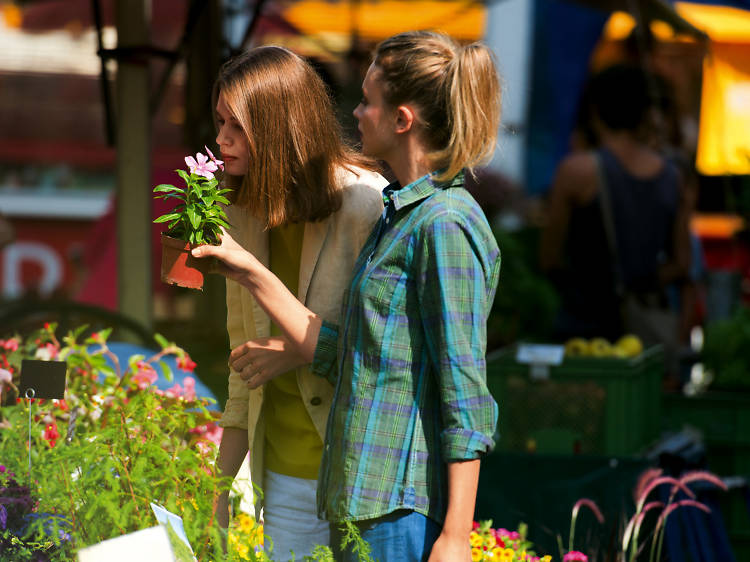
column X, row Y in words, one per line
column 258, row 361
column 234, row 262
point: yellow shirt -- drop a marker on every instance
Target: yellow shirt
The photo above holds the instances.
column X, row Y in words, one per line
column 292, row 444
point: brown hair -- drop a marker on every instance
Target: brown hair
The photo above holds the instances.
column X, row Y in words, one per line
column 294, row 141
column 456, row 90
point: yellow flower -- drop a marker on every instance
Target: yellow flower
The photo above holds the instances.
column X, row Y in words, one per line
column 245, row 523
column 476, row 554
column 506, row 555
column 475, row 539
column 496, row 553
column 243, row 550
column 546, row 558
column 490, row 541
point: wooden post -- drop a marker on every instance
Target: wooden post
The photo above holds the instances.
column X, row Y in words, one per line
column 134, row 195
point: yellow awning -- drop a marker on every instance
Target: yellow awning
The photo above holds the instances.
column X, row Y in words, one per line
column 720, row 23
column 375, row 20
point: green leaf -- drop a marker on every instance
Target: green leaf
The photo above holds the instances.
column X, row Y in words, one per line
column 222, row 199
column 166, row 218
column 161, row 340
column 165, row 187
column 166, row 370
column 184, row 176
column 195, row 219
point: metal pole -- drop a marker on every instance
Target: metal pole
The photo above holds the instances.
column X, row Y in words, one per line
column 134, row 195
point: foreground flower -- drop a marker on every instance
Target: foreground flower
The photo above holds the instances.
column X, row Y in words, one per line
column 146, row 376
column 201, row 166
column 575, row 556
column 219, row 163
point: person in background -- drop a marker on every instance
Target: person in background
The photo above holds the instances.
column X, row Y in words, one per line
column 647, row 204
column 303, row 203
column 412, row 414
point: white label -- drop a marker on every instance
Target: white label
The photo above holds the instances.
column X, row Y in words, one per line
column 540, row 354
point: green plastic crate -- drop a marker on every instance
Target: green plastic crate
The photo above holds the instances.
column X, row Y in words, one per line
column 724, row 420
column 587, row 405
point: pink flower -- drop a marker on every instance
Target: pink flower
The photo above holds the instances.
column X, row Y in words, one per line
column 189, row 384
column 5, row 377
column 219, row 163
column 174, row 391
column 202, row 167
column 10, row 345
column 186, row 364
column 145, row 376
column 575, row 556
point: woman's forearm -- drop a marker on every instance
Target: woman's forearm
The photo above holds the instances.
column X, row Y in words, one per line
column 300, row 325
column 463, row 479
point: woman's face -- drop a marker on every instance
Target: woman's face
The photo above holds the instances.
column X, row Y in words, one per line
column 375, row 119
column 231, row 140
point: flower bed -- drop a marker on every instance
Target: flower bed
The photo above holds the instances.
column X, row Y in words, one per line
column 115, row 444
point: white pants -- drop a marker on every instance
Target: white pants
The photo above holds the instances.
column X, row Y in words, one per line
column 290, row 516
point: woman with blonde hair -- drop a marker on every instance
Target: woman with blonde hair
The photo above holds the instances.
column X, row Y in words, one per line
column 303, row 204
column 412, row 414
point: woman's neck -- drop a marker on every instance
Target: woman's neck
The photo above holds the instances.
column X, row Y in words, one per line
column 410, row 162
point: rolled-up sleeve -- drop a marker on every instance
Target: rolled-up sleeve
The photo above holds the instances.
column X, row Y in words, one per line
column 458, row 271
column 325, row 360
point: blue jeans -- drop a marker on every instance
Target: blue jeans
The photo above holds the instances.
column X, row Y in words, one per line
column 401, row 536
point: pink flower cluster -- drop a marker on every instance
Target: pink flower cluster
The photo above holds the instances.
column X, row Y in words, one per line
column 9, row 344
column 187, row 391
column 145, row 376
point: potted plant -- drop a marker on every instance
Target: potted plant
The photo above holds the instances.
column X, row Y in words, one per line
column 196, row 219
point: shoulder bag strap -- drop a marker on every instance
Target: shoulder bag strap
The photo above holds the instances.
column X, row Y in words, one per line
column 609, row 224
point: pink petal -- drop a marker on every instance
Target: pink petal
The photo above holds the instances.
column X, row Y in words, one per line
column 695, row 475
column 202, row 159
column 191, row 163
column 658, row 482
column 591, row 505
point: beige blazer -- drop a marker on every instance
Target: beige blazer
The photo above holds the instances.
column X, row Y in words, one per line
column 329, row 250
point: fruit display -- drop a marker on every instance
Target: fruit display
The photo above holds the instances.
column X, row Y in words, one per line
column 626, row 347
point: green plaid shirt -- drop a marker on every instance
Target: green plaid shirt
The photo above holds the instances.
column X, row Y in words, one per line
column 408, row 359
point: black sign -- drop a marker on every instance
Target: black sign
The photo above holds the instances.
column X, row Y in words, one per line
column 46, row 378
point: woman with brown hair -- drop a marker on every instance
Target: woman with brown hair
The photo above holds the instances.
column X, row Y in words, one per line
column 412, row 414
column 303, row 204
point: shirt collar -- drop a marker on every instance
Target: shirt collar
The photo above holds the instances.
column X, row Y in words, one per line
column 420, row 189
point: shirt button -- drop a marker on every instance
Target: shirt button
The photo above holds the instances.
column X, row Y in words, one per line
column 316, row 401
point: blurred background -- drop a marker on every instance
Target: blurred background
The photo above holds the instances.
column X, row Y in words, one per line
column 100, row 100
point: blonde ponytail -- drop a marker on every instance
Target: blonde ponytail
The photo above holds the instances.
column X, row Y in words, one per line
column 455, row 89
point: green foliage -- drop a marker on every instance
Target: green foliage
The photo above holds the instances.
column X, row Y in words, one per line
column 725, row 350
column 199, row 213
column 526, row 303
column 121, row 445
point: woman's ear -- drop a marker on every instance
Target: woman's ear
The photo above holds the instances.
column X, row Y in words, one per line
column 405, row 118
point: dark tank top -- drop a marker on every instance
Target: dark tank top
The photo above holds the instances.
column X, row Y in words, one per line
column 643, row 212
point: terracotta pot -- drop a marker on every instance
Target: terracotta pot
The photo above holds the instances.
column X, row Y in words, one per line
column 180, row 268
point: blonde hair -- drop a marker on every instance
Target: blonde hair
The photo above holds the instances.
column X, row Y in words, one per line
column 294, row 141
column 456, row 90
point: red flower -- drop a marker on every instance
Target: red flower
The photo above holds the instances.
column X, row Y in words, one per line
column 50, row 434
column 185, row 363
column 575, row 556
